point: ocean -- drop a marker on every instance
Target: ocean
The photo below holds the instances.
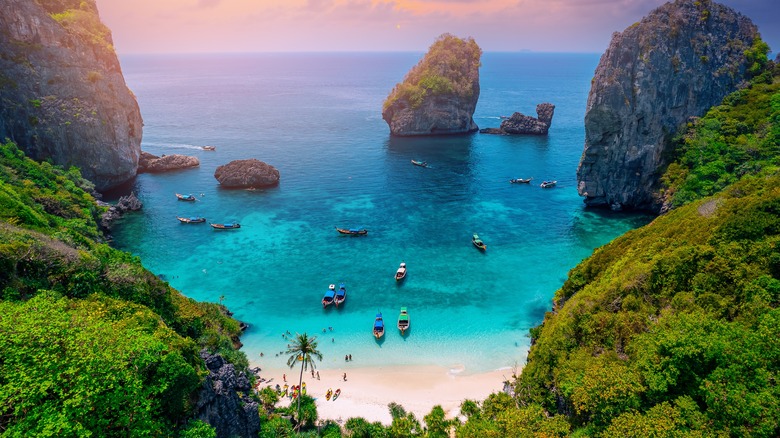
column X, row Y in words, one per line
column 317, row 118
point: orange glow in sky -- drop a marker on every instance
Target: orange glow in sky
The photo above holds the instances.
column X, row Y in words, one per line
column 185, row 26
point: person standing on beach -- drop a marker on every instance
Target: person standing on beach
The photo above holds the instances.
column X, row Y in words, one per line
column 318, row 375
column 284, row 377
column 345, row 377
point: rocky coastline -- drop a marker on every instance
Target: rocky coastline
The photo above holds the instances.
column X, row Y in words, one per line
column 149, row 163
column 247, row 174
column 676, row 63
column 520, row 124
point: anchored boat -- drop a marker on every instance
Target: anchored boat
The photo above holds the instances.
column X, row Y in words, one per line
column 379, row 326
column 403, row 320
column 400, row 274
column 478, row 242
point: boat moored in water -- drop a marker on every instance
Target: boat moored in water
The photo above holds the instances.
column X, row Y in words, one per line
column 341, row 295
column 352, row 231
column 191, row 220
column 403, row 320
column 548, row 184
column 230, row 226
column 520, row 180
column 478, row 242
column 329, row 296
column 189, row 198
column 420, row 163
column 400, row 274
column 379, row 326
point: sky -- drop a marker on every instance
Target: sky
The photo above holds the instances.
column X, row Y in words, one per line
column 208, row 26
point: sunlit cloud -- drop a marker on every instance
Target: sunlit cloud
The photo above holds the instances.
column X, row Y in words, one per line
column 381, row 25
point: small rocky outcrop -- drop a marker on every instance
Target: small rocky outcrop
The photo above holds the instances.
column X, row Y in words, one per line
column 521, row 124
column 439, row 95
column 62, row 94
column 149, row 163
column 679, row 61
column 224, row 402
column 249, row 173
column 125, row 204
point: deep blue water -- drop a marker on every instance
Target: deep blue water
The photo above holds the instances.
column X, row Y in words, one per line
column 317, row 118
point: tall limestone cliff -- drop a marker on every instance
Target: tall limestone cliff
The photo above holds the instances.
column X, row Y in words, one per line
column 62, row 93
column 439, row 95
column 679, row 61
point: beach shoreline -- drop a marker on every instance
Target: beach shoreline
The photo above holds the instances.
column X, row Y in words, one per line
column 367, row 391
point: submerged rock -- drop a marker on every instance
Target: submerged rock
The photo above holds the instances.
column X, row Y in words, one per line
column 522, row 124
column 62, row 94
column 249, row 173
column 679, row 61
column 115, row 212
column 149, row 163
column 439, row 94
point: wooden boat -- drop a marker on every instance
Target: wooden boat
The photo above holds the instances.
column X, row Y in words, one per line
column 548, row 184
column 329, row 296
column 420, row 163
column 352, row 231
column 336, row 394
column 403, row 320
column 328, row 394
column 341, row 295
column 232, row 226
column 520, row 180
column 188, row 198
column 400, row 274
column 478, row 242
column 379, row 326
column 191, row 220
column 209, row 148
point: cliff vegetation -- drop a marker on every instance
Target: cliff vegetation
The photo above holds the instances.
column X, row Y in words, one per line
column 92, row 344
column 450, row 66
column 671, row 329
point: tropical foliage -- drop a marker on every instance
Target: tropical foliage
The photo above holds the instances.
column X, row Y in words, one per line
column 450, row 66
column 671, row 329
column 92, row 342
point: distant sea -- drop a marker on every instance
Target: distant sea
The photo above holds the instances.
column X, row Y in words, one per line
column 317, row 118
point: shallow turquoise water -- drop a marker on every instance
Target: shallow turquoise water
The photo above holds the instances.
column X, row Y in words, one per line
column 317, row 118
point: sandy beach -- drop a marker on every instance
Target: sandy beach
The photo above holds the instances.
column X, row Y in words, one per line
column 367, row 391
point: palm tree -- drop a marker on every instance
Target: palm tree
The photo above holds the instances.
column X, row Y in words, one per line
column 303, row 349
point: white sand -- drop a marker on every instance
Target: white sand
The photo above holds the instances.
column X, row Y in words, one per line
column 367, row 391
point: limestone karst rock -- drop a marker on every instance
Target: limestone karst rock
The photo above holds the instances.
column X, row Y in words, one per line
column 438, row 95
column 62, row 93
column 149, row 163
column 249, row 173
column 676, row 63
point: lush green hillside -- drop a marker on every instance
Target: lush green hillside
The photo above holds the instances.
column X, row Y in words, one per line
column 92, row 342
column 450, row 66
column 672, row 329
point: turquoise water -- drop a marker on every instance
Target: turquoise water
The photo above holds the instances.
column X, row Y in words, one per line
column 317, row 118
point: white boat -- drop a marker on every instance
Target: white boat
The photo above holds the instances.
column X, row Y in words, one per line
column 400, row 274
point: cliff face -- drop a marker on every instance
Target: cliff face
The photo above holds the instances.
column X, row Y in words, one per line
column 679, row 61
column 223, row 401
column 439, row 95
column 62, row 93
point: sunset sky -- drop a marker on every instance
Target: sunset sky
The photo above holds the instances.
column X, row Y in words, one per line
column 186, row 26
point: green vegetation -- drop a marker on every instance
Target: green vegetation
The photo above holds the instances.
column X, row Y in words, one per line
column 93, row 344
column 80, row 18
column 671, row 329
column 303, row 349
column 450, row 66
column 737, row 138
